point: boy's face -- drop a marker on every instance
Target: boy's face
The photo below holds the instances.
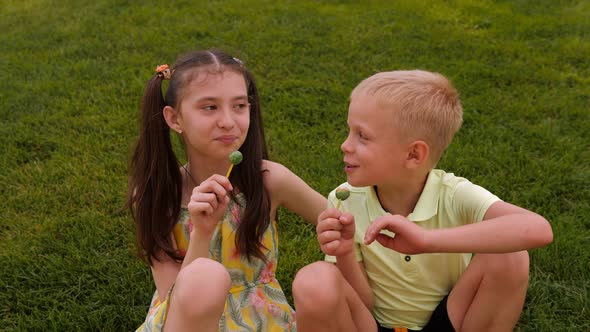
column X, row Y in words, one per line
column 373, row 152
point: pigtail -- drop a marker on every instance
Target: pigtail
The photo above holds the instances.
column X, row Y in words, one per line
column 249, row 179
column 155, row 182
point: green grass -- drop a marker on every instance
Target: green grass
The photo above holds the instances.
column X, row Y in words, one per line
column 73, row 74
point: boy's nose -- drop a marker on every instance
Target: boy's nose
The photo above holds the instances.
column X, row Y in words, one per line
column 345, row 146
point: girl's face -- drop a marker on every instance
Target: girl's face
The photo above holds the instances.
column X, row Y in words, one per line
column 214, row 114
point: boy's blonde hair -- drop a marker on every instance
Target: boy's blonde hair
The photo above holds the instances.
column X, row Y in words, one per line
column 424, row 105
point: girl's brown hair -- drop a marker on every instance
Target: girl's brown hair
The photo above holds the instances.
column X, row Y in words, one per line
column 155, row 181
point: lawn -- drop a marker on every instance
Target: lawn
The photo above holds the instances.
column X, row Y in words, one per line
column 73, row 74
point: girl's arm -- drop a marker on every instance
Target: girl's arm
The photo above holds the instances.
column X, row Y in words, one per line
column 288, row 190
column 207, row 204
column 164, row 273
column 165, row 270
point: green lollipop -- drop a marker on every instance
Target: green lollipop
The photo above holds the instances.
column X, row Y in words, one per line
column 342, row 194
column 234, row 158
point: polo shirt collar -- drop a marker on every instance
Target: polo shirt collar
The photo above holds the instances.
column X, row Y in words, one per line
column 426, row 207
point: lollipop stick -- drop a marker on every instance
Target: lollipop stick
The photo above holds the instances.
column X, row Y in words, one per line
column 231, row 166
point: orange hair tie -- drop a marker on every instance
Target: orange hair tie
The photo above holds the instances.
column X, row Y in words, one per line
column 164, row 71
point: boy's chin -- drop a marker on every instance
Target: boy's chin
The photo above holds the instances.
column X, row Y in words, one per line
column 357, row 182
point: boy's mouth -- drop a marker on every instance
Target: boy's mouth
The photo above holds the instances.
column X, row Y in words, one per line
column 348, row 167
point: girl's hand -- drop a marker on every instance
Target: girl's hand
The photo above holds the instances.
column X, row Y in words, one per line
column 335, row 232
column 208, row 204
column 409, row 238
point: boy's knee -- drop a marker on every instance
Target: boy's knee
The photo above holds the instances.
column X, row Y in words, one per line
column 317, row 285
column 201, row 287
column 511, row 267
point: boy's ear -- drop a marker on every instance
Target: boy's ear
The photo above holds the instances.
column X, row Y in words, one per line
column 172, row 119
column 418, row 153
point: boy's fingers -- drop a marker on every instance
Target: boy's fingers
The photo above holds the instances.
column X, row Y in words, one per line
column 376, row 227
column 328, row 224
column 385, row 240
column 369, row 238
column 346, row 218
column 328, row 236
column 330, row 247
column 329, row 213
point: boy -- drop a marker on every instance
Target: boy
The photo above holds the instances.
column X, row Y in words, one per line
column 400, row 124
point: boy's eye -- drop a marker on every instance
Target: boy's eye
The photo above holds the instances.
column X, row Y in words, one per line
column 362, row 135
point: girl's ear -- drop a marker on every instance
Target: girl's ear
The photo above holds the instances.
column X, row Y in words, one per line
column 418, row 153
column 173, row 119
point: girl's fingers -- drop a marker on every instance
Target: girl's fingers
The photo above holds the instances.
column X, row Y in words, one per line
column 200, row 207
column 211, row 187
column 220, row 180
column 210, row 198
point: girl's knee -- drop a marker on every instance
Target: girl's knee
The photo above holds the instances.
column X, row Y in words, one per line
column 201, row 288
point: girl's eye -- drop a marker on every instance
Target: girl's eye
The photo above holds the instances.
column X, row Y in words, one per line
column 241, row 106
column 362, row 136
column 209, row 107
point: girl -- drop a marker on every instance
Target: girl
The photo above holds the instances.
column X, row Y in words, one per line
column 211, row 241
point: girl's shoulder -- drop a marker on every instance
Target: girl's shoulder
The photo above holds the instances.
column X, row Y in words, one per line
column 274, row 174
column 277, row 178
column 288, row 190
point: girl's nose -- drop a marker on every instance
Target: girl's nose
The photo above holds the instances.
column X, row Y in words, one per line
column 226, row 119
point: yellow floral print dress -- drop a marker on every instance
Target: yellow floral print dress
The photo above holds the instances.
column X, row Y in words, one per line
column 255, row 301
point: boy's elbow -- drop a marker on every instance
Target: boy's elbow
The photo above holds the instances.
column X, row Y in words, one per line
column 544, row 234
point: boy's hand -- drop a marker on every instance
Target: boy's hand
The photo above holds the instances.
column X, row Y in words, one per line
column 208, row 203
column 335, row 232
column 409, row 238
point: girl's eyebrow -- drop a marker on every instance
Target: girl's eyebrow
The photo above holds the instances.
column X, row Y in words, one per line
column 207, row 98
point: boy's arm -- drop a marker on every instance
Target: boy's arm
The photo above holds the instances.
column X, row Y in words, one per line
column 505, row 228
column 354, row 272
column 335, row 232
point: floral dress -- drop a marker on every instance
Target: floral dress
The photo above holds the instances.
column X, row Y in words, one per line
column 255, row 301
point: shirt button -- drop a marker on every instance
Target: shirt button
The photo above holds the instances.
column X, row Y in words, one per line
column 408, row 258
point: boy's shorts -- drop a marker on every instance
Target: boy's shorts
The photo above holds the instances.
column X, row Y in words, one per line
column 439, row 321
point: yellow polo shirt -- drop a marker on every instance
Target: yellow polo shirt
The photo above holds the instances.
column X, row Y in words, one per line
column 408, row 288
